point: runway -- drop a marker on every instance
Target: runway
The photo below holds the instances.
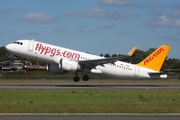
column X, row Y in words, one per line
column 90, row 116
column 129, row 116
column 88, row 86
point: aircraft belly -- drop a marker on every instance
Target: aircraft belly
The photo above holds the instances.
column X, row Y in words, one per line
column 115, row 71
column 118, row 72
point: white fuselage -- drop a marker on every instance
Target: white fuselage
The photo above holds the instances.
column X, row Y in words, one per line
column 49, row 53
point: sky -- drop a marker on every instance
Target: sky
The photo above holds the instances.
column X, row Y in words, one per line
column 94, row 26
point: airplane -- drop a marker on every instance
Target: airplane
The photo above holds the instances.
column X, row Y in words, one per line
column 62, row 59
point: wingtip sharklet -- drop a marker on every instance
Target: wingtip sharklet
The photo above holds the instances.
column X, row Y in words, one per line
column 131, row 52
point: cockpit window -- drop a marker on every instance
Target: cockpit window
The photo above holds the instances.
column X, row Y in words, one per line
column 19, row 43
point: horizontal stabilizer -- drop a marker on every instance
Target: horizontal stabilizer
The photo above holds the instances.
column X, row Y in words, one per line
column 158, row 75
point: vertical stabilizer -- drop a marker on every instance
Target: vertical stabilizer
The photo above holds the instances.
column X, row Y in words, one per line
column 155, row 60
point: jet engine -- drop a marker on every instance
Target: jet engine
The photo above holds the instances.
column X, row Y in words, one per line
column 68, row 65
column 54, row 68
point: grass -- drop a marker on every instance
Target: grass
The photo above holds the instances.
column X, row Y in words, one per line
column 89, row 101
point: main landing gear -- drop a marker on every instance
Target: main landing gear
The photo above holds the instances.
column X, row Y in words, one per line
column 76, row 78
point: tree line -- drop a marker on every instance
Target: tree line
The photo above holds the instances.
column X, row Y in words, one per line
column 138, row 56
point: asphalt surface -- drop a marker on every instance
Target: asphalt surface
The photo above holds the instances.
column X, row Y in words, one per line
column 90, row 117
column 87, row 86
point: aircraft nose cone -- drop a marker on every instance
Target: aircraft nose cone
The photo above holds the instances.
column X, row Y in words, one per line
column 9, row 47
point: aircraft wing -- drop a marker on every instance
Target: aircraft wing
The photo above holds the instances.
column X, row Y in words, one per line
column 92, row 63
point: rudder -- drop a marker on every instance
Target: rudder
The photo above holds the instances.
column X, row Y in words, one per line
column 155, row 60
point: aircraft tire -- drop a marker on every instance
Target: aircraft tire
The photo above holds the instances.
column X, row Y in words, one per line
column 76, row 79
column 85, row 77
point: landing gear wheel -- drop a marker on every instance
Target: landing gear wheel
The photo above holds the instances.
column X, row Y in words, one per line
column 85, row 78
column 76, row 79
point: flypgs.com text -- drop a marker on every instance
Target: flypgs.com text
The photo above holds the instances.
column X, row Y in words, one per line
column 52, row 52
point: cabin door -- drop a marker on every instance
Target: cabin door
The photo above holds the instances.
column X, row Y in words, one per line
column 137, row 69
column 31, row 46
column 31, row 49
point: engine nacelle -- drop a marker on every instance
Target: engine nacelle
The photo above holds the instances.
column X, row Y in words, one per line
column 68, row 65
column 54, row 68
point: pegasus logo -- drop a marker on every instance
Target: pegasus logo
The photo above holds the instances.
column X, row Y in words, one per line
column 154, row 55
